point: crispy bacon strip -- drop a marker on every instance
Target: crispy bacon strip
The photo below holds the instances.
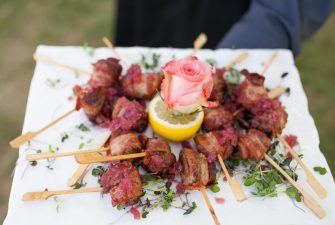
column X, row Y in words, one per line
column 159, row 158
column 253, row 145
column 138, row 85
column 122, row 180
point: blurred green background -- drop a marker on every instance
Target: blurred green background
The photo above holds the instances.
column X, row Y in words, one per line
column 26, row 24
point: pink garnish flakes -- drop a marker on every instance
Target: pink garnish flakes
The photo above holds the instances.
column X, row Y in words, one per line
column 136, row 213
column 219, row 200
column 180, row 189
column 291, row 140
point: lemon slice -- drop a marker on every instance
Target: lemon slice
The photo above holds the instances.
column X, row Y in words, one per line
column 171, row 126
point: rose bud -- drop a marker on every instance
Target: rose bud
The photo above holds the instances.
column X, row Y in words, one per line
column 187, row 84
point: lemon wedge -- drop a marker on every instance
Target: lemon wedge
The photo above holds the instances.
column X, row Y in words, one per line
column 171, row 126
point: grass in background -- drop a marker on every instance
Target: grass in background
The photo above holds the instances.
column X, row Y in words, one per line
column 25, row 24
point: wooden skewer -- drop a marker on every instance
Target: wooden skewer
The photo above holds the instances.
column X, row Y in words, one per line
column 276, row 92
column 209, row 206
column 80, row 171
column 199, row 42
column 50, row 155
column 234, row 185
column 311, row 179
column 94, row 158
column 44, row 195
column 46, row 59
column 308, row 200
column 17, row 142
column 78, row 174
column 109, row 44
column 267, row 65
column 238, row 59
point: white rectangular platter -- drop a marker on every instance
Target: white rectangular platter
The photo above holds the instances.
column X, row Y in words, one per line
column 48, row 98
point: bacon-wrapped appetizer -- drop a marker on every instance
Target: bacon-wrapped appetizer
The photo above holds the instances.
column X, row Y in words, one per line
column 106, row 73
column 159, row 158
column 138, row 85
column 269, row 116
column 92, row 101
column 253, row 145
column 217, row 118
column 219, row 86
column 125, row 143
column 129, row 115
column 251, row 90
column 217, row 142
column 122, row 180
column 196, row 171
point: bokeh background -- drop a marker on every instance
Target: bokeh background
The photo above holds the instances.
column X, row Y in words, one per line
column 26, row 24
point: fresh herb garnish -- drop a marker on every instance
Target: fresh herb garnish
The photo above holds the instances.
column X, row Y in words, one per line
column 233, row 78
column 98, row 172
column 64, row 137
column 151, row 64
column 156, row 194
column 120, row 207
column 83, row 127
column 266, row 180
column 79, row 185
column 58, row 203
column 88, row 49
column 212, row 62
column 33, row 163
column 52, row 149
column 89, row 141
column 292, row 192
column 81, row 145
column 190, row 209
column 53, row 83
column 215, row 188
column 320, row 170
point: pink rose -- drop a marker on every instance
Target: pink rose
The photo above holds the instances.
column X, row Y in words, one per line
column 187, row 84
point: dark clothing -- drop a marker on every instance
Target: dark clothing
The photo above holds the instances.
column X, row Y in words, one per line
column 227, row 23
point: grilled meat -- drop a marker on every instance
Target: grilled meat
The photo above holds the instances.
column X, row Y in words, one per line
column 106, row 73
column 129, row 115
column 92, row 101
column 269, row 116
column 253, row 145
column 196, row 171
column 126, row 143
column 122, row 180
column 217, row 142
column 217, row 118
column 159, row 158
column 251, row 90
column 138, row 85
column 219, row 86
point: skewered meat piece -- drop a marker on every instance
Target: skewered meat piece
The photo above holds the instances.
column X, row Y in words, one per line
column 106, row 73
column 92, row 101
column 196, row 171
column 129, row 115
column 122, row 180
column 126, row 143
column 219, row 86
column 217, row 142
column 253, row 145
column 138, row 85
column 217, row 118
column 269, row 116
column 159, row 158
column 251, row 90
column 112, row 95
